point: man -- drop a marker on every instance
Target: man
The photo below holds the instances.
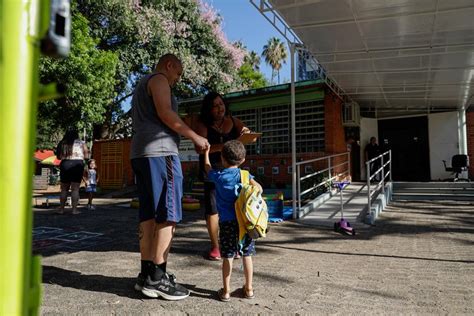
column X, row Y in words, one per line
column 372, row 150
column 155, row 162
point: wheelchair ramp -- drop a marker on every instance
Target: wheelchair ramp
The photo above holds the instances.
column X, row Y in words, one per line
column 428, row 191
column 355, row 207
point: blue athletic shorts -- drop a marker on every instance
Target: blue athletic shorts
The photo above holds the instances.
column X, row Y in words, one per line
column 160, row 188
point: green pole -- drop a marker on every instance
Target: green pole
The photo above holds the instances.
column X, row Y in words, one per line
column 22, row 24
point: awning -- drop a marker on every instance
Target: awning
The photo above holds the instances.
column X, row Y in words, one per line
column 387, row 55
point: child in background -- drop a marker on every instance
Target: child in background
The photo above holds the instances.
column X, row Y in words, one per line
column 91, row 178
column 226, row 180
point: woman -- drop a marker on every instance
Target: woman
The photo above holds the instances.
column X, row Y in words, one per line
column 72, row 151
column 218, row 126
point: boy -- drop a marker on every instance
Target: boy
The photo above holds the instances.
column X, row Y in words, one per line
column 226, row 180
column 91, row 178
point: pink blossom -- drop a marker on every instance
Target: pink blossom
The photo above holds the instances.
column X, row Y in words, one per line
column 210, row 16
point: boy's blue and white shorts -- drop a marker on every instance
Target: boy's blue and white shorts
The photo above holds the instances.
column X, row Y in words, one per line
column 160, row 188
column 91, row 188
column 229, row 241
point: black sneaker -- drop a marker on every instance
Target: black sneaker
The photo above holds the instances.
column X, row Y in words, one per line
column 166, row 288
column 140, row 282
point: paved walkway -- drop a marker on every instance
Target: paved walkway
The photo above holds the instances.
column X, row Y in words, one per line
column 417, row 260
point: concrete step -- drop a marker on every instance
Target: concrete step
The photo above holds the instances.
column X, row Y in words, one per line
column 449, row 185
column 423, row 190
column 432, row 196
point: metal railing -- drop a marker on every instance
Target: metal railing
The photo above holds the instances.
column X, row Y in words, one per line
column 331, row 172
column 380, row 162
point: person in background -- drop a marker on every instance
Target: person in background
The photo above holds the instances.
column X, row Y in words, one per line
column 91, row 178
column 218, row 126
column 72, row 151
column 372, row 150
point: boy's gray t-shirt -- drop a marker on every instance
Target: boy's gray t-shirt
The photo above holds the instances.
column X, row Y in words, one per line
column 151, row 137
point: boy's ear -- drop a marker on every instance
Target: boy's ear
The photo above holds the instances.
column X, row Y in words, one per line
column 243, row 160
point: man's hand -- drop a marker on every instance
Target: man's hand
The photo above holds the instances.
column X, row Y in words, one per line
column 200, row 144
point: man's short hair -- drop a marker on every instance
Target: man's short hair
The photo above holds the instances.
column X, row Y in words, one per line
column 233, row 152
column 169, row 58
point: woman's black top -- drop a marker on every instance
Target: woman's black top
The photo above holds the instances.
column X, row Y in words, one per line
column 215, row 137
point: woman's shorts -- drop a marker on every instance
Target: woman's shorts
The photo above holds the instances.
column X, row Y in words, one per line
column 71, row 171
column 229, row 241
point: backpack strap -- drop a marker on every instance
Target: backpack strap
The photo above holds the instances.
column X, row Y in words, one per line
column 244, row 179
column 244, row 176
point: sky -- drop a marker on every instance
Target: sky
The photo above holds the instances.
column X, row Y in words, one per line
column 243, row 22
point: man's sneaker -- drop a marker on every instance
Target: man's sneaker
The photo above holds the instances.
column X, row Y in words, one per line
column 166, row 288
column 140, row 282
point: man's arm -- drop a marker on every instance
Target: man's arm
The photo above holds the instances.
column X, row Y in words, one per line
column 161, row 94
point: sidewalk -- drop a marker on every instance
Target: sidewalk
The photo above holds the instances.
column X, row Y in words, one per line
column 417, row 260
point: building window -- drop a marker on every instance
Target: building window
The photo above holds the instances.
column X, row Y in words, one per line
column 275, row 170
column 250, row 119
column 260, row 171
column 275, row 124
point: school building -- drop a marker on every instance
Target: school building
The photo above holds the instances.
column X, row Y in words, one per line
column 324, row 126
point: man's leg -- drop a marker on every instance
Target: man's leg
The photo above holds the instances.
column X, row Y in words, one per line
column 146, row 231
column 159, row 283
column 163, row 237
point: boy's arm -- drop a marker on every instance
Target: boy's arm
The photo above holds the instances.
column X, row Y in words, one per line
column 207, row 162
column 255, row 183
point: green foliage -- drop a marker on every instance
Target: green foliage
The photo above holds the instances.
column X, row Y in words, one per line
column 251, row 77
column 115, row 42
column 88, row 74
column 275, row 54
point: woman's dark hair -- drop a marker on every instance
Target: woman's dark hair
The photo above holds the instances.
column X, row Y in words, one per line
column 207, row 104
column 65, row 148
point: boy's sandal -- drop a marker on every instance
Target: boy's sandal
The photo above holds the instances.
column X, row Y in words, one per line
column 222, row 296
column 246, row 293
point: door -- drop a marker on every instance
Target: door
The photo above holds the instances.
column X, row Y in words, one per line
column 408, row 140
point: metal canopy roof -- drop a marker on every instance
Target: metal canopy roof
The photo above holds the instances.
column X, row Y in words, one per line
column 387, row 54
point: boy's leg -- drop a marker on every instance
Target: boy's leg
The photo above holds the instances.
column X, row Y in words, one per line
column 226, row 273
column 248, row 250
column 248, row 272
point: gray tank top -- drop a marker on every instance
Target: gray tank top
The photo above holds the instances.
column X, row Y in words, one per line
column 151, row 137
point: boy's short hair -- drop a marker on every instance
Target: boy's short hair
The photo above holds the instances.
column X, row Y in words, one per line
column 233, row 152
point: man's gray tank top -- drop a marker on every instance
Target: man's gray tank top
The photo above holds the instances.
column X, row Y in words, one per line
column 151, row 137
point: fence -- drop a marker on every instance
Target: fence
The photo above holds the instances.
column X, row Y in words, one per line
column 380, row 163
column 333, row 167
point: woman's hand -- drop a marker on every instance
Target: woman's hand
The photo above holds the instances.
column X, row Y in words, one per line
column 245, row 130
